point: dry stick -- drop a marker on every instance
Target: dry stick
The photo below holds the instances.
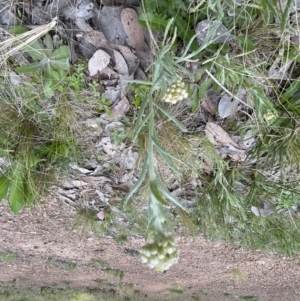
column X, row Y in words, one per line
column 149, row 28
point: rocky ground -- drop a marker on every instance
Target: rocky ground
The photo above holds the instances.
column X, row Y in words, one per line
column 38, row 250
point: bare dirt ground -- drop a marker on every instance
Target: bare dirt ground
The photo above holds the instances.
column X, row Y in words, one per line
column 48, row 254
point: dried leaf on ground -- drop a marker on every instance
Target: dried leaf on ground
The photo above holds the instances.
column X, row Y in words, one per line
column 121, row 108
column 133, row 29
column 98, row 40
column 98, row 62
column 121, row 66
column 248, row 140
column 218, row 136
column 232, row 152
column 82, row 9
column 130, row 58
column 6, row 16
column 279, row 70
column 209, row 105
column 113, row 93
column 101, row 215
column 227, row 106
column 267, row 209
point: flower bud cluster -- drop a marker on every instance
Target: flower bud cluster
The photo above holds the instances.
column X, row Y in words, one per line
column 175, row 92
column 161, row 254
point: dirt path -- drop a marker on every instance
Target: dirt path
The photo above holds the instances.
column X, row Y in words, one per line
column 47, row 256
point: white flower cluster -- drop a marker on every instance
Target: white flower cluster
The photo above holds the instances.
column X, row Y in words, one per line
column 175, row 92
column 161, row 254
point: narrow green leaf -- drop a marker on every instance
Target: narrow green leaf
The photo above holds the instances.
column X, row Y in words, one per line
column 54, row 75
column 17, row 30
column 140, row 82
column 155, row 192
column 109, row 112
column 177, row 122
column 33, row 67
column 48, row 90
column 195, row 101
column 168, row 195
column 33, row 160
column 4, row 184
column 156, row 21
column 170, row 22
column 16, row 194
column 141, row 125
column 139, row 119
column 49, row 45
column 167, row 153
column 138, row 183
column 61, row 64
column 284, row 20
column 28, row 193
column 207, row 83
column 185, row 32
column 292, row 89
column 168, row 161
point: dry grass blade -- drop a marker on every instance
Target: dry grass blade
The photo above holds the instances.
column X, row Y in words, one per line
column 14, row 44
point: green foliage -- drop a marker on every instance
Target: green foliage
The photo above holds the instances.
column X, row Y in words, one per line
column 165, row 73
column 53, row 63
column 103, row 104
column 77, row 81
column 157, row 15
column 270, row 173
column 35, row 140
column 8, row 257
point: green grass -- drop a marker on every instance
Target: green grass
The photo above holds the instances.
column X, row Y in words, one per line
column 249, row 298
column 8, row 257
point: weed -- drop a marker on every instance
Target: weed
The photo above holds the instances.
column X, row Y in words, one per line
column 177, row 289
column 8, row 257
column 115, row 273
column 36, row 139
column 238, row 275
column 97, row 263
column 249, row 298
column 53, row 63
column 77, row 80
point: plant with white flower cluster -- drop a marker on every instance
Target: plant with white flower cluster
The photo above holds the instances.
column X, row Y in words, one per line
column 166, row 84
column 161, row 254
column 176, row 92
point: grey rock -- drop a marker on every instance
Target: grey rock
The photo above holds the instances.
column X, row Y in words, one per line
column 217, row 32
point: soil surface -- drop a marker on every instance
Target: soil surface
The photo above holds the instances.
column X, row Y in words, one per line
column 49, row 254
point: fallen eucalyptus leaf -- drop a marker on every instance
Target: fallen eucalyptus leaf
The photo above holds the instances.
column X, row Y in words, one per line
column 227, row 106
column 217, row 136
column 97, row 39
column 101, row 215
column 121, row 66
column 98, row 62
column 133, row 29
column 267, row 209
column 248, row 140
column 280, row 72
column 121, row 107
